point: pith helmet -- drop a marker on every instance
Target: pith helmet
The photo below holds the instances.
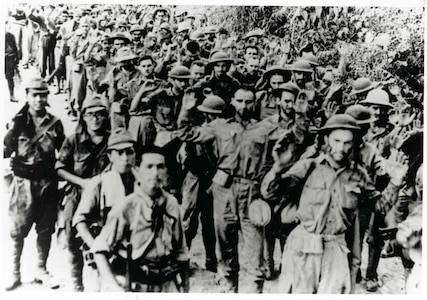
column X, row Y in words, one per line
column 377, row 97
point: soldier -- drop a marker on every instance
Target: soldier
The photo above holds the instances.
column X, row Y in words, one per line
column 77, row 82
column 218, row 83
column 196, row 197
column 380, row 136
column 124, row 82
column 137, row 33
column 11, row 62
column 330, row 189
column 31, row 142
column 82, row 156
column 240, row 141
column 104, row 190
column 143, row 233
column 266, row 104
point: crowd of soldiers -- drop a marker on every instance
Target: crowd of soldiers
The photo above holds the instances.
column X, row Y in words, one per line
column 179, row 121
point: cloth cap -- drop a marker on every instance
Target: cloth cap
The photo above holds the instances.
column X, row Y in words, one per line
column 94, row 101
column 197, row 35
column 120, row 139
column 209, row 29
column 37, row 84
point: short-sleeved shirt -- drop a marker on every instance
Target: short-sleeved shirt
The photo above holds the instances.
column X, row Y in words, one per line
column 330, row 198
column 80, row 156
column 136, row 213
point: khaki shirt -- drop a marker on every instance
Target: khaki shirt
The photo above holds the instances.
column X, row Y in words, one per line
column 330, row 198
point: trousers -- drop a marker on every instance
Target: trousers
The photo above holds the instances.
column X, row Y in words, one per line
column 231, row 218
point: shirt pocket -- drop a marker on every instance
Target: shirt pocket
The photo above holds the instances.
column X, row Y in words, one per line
column 351, row 195
column 80, row 162
column 314, row 190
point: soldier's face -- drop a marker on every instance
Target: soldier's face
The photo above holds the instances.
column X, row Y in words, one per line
column 340, row 144
column 252, row 65
column 243, row 102
column 37, row 101
column 276, row 80
column 94, row 118
column 137, row 35
column 197, row 72
column 147, row 67
column 152, row 172
column 180, row 84
column 118, row 43
column 221, row 68
column 286, row 102
column 122, row 160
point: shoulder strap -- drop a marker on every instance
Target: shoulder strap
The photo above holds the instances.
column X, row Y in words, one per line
column 309, row 171
column 43, row 131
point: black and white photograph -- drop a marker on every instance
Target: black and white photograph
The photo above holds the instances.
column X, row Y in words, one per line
column 202, row 147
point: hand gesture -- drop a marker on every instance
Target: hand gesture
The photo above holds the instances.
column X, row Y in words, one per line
column 397, row 167
column 189, row 100
column 331, row 109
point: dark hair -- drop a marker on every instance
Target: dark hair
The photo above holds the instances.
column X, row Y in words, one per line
column 246, row 87
column 253, row 47
column 145, row 57
column 152, row 149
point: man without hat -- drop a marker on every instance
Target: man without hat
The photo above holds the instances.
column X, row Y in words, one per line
column 31, row 142
column 141, row 248
column 332, row 186
column 239, row 143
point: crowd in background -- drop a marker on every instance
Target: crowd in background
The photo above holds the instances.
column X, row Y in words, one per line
column 236, row 123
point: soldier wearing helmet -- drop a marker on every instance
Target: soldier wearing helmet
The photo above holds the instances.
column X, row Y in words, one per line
column 329, row 188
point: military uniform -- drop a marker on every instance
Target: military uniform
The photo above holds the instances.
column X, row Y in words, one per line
column 79, row 156
column 241, row 154
column 153, row 228
column 34, row 189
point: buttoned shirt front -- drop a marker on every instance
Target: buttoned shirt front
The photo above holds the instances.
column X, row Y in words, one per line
column 330, row 198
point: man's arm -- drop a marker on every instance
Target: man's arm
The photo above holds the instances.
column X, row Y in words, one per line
column 109, row 283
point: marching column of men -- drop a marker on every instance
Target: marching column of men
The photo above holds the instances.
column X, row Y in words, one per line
column 176, row 123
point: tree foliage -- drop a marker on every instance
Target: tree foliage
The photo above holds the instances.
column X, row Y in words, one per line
column 380, row 41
